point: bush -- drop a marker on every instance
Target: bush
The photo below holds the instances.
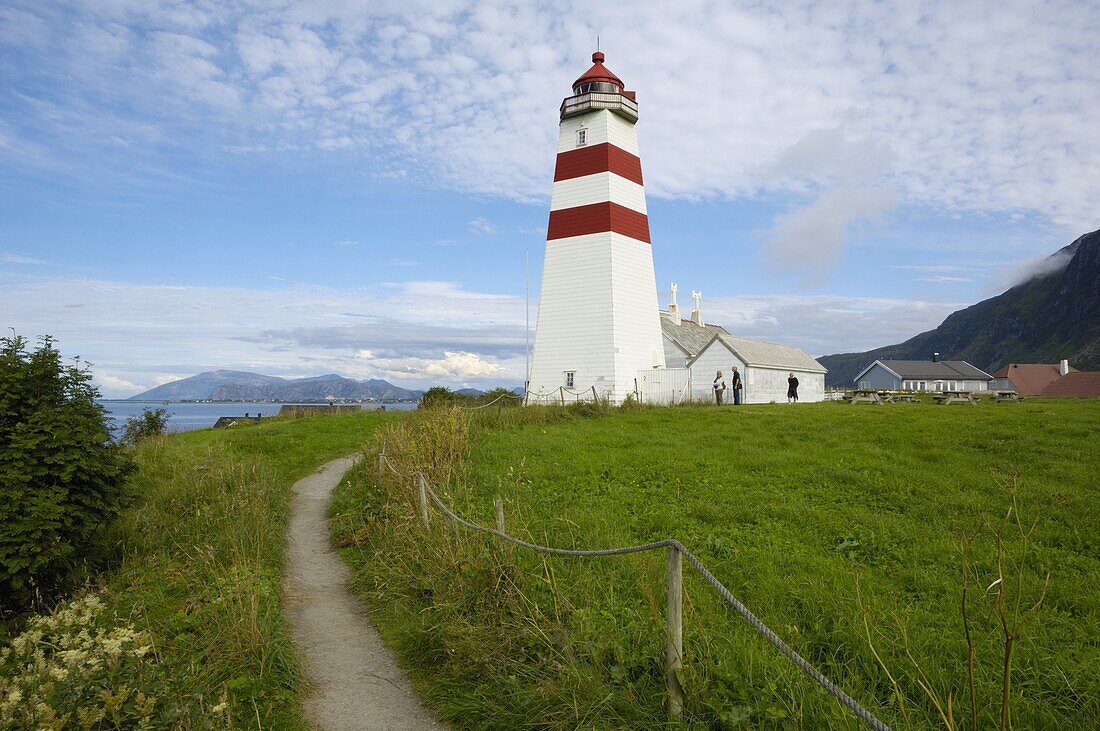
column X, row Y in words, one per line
column 61, row 477
column 437, row 396
column 76, row 669
column 149, row 423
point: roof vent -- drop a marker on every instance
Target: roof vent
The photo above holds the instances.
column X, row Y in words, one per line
column 935, row 357
column 1063, row 367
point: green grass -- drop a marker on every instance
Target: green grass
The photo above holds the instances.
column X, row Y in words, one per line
column 840, row 526
column 197, row 560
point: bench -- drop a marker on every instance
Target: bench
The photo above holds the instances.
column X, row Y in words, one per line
column 955, row 397
column 865, row 396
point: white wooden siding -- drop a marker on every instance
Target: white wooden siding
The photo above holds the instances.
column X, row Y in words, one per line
column 598, row 188
column 601, row 126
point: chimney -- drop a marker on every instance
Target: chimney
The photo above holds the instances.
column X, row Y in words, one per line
column 697, row 313
column 935, row 357
column 1064, row 367
column 673, row 308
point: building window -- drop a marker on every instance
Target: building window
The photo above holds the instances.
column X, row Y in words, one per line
column 582, row 137
column 570, row 378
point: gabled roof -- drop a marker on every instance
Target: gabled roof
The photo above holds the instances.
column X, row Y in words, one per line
column 1079, row 384
column 927, row 370
column 764, row 355
column 688, row 336
column 1031, row 378
column 693, row 340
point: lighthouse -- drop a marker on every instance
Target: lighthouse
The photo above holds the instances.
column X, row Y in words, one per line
column 598, row 320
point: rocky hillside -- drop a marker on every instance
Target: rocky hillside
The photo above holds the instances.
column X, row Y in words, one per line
column 244, row 386
column 1052, row 316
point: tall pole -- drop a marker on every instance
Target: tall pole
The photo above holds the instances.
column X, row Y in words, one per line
column 527, row 325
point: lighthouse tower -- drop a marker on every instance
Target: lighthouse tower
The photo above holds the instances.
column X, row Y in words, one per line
column 598, row 321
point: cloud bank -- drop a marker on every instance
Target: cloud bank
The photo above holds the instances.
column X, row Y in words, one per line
column 415, row 334
column 982, row 106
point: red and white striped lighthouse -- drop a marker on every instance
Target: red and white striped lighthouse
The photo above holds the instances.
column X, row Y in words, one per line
column 598, row 321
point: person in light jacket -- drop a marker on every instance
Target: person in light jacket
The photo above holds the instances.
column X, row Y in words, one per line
column 792, row 389
column 719, row 388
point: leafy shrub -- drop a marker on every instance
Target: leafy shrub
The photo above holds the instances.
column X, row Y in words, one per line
column 149, row 423
column 437, row 396
column 73, row 669
column 61, row 477
column 502, row 397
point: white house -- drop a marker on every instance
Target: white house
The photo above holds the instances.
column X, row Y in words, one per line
column 699, row 350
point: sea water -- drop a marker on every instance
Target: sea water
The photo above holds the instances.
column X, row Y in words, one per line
column 188, row 416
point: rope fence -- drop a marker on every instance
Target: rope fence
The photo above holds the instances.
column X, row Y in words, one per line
column 674, row 623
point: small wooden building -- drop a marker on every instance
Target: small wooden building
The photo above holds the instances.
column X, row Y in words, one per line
column 703, row 349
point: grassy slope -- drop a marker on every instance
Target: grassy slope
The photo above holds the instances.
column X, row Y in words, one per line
column 806, row 513
column 199, row 558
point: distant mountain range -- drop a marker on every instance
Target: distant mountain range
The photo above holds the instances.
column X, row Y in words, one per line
column 1051, row 316
column 245, row 386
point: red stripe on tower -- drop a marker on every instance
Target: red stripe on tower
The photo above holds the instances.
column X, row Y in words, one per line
column 601, row 158
column 598, row 218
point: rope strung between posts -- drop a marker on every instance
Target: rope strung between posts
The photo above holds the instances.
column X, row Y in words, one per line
column 765, row 631
column 498, row 398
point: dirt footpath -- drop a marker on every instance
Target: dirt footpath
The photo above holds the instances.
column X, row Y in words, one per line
column 356, row 684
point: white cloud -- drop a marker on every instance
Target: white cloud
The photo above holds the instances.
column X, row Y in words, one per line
column 111, row 385
column 421, row 332
column 970, row 107
column 809, row 242
column 482, row 226
column 944, row 279
column 824, row 324
column 10, row 258
column 1029, row 269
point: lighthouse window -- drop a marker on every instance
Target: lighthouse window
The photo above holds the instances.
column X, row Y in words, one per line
column 582, row 137
column 569, row 378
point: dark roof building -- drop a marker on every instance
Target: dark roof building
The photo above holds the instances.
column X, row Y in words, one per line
column 1077, row 384
column 931, row 370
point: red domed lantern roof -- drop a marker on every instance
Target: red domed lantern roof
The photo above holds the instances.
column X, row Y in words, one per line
column 598, row 72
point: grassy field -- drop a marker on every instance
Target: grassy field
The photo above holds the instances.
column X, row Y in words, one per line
column 196, row 564
column 843, row 527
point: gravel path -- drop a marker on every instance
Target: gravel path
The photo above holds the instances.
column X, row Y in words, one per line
column 356, row 684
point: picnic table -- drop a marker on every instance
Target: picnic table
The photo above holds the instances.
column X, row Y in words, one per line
column 898, row 397
column 999, row 396
column 955, row 397
column 865, row 395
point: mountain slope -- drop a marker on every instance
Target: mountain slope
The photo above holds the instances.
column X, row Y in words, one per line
column 244, row 386
column 200, row 386
column 1052, row 316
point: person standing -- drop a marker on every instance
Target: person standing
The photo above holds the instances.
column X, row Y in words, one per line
column 735, row 384
column 792, row 389
column 719, row 388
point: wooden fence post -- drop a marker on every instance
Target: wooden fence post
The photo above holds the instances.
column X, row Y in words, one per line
column 422, row 483
column 498, row 505
column 561, row 392
column 674, row 631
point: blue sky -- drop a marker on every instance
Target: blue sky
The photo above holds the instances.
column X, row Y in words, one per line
column 335, row 186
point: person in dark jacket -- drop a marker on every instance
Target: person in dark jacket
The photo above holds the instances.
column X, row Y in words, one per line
column 792, row 389
column 735, row 384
